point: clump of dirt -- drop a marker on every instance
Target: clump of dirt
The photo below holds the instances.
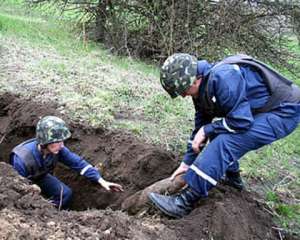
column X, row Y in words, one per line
column 121, row 157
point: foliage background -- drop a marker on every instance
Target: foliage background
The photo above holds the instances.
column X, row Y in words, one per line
column 208, row 29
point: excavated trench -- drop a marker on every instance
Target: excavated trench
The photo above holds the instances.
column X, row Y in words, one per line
column 119, row 156
column 226, row 215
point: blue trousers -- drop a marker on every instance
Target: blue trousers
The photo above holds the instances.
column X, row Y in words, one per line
column 224, row 151
column 58, row 193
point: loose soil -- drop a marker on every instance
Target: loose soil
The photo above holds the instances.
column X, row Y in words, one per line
column 95, row 214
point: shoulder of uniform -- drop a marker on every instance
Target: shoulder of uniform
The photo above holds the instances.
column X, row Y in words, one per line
column 224, row 69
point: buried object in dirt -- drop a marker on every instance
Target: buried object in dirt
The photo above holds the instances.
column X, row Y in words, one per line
column 138, row 201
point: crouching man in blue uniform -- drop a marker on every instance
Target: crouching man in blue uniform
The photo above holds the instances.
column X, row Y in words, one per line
column 36, row 158
column 255, row 106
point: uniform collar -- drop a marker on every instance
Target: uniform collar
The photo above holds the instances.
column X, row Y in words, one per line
column 203, row 68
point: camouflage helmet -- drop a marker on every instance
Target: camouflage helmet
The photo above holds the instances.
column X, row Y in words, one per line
column 51, row 129
column 178, row 73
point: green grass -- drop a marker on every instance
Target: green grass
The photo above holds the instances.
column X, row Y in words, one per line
column 287, row 215
column 53, row 30
column 117, row 92
column 94, row 84
column 38, row 31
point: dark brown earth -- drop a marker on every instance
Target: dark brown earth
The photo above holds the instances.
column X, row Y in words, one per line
column 24, row 214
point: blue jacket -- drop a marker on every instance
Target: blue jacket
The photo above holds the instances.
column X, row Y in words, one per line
column 237, row 90
column 65, row 156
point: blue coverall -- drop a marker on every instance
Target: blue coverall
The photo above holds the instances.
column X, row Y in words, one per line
column 238, row 90
column 52, row 187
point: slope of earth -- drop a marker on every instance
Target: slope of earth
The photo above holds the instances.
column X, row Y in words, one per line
column 227, row 214
column 24, row 214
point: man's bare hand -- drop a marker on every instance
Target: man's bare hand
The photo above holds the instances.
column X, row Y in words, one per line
column 199, row 140
column 181, row 169
column 109, row 186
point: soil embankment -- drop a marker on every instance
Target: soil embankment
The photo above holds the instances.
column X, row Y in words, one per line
column 227, row 214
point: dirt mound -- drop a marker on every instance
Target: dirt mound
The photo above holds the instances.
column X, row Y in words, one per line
column 24, row 214
column 227, row 214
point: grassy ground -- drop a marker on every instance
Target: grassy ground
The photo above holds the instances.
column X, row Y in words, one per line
column 42, row 58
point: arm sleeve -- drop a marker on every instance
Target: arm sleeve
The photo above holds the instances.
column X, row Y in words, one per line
column 78, row 164
column 190, row 156
column 229, row 88
column 19, row 165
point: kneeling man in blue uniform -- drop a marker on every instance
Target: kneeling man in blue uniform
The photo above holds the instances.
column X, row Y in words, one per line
column 36, row 159
column 254, row 106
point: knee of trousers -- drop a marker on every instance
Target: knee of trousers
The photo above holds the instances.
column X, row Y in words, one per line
column 218, row 156
column 211, row 164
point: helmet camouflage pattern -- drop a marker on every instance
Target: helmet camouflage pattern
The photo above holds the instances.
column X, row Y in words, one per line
column 51, row 129
column 178, row 73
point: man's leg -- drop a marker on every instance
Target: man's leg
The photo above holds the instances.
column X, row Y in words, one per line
column 233, row 177
column 234, row 167
column 59, row 193
column 220, row 153
column 226, row 149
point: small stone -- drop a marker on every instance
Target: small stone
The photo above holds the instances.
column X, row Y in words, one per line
column 107, row 231
column 50, row 224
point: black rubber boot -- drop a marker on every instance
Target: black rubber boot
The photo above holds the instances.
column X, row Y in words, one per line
column 234, row 179
column 175, row 206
